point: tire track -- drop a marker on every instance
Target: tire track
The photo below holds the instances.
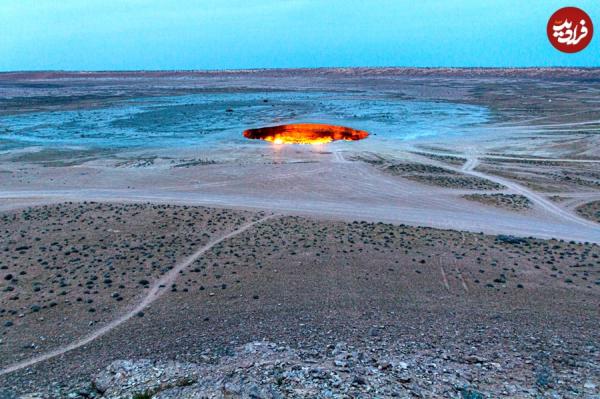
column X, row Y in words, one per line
column 159, row 287
column 469, row 169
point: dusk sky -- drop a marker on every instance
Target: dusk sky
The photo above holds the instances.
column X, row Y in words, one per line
column 221, row 34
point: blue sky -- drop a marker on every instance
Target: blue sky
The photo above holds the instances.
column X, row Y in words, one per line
column 232, row 34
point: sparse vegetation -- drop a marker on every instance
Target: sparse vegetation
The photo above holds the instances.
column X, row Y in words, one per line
column 514, row 202
column 590, row 211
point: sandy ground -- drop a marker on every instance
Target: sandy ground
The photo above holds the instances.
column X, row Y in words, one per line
column 331, row 187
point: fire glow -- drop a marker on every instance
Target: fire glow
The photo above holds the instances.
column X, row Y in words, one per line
column 305, row 133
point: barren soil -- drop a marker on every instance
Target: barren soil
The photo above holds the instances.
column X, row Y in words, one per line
column 310, row 284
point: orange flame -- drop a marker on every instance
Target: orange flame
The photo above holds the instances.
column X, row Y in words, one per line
column 305, row 133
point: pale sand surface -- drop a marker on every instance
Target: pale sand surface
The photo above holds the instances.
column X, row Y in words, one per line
column 541, row 136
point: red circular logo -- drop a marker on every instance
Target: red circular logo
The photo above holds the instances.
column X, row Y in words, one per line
column 570, row 29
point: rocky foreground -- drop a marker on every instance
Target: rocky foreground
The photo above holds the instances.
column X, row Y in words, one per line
column 268, row 370
column 332, row 309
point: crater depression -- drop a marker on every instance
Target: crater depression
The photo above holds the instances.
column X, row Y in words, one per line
column 305, row 133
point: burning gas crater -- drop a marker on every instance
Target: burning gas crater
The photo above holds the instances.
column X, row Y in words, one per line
column 305, row 133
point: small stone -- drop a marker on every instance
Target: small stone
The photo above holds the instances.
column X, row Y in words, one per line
column 474, row 359
column 359, row 379
column 383, row 365
column 247, row 364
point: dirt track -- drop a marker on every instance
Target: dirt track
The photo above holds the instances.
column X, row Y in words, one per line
column 156, row 291
column 333, row 188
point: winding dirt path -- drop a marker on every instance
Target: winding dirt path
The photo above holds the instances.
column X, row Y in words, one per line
column 471, row 163
column 334, row 188
column 159, row 287
column 542, row 202
column 547, row 205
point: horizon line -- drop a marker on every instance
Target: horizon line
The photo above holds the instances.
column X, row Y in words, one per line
column 299, row 69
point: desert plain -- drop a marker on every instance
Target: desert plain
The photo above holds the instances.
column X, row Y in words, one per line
column 149, row 250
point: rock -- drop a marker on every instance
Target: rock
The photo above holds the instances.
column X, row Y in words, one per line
column 359, row 379
column 474, row 359
column 402, row 365
column 383, row 365
column 339, row 348
column 269, row 371
column 124, row 377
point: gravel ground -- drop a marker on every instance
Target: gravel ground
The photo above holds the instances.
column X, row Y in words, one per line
column 65, row 269
column 267, row 370
column 354, row 310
